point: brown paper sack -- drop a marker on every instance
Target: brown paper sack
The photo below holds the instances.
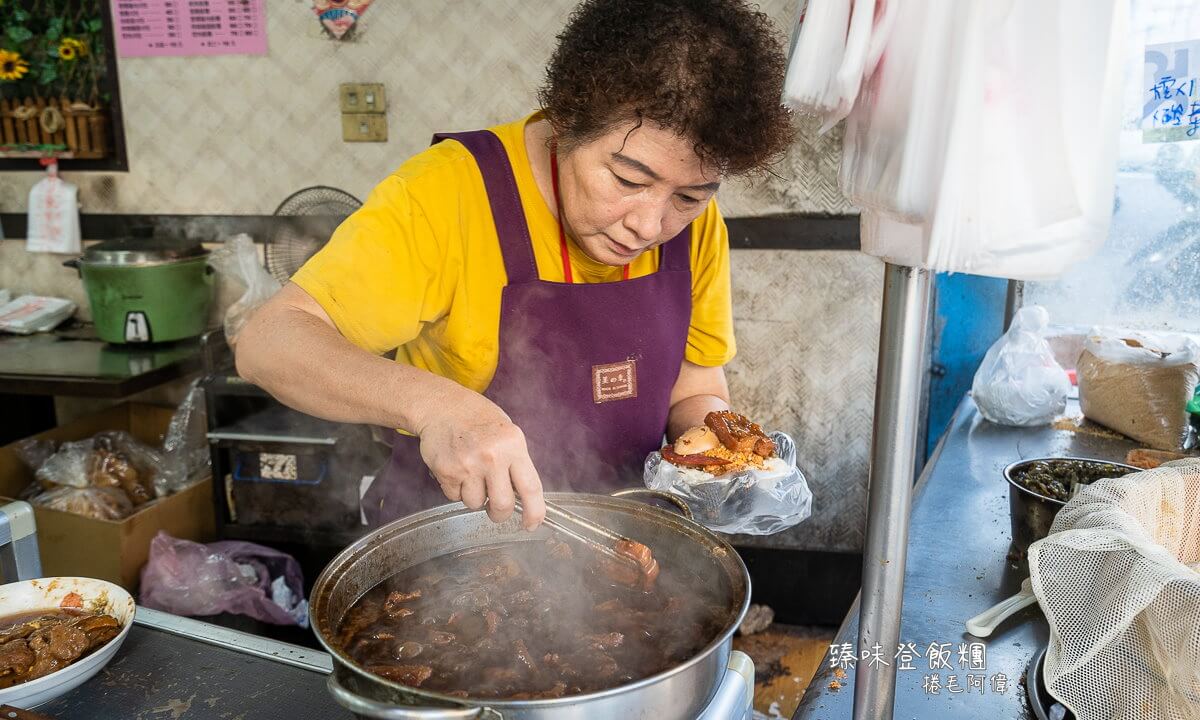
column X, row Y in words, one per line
column 1140, row 386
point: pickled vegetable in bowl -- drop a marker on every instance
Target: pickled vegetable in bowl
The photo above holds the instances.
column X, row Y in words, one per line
column 1054, row 478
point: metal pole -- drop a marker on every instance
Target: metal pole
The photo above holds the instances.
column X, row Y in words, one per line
column 1013, row 300
column 902, row 364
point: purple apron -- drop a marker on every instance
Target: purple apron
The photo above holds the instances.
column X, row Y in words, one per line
column 585, row 370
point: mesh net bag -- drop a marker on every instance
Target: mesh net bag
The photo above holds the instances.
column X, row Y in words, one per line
column 1117, row 582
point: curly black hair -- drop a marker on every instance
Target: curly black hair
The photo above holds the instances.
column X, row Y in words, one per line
column 710, row 70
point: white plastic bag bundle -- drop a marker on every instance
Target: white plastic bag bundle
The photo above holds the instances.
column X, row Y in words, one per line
column 834, row 44
column 1115, row 579
column 752, row 502
column 237, row 258
column 1028, row 184
column 992, row 127
column 896, row 134
column 1019, row 382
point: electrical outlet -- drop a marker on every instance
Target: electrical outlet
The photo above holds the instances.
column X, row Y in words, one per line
column 363, row 98
column 364, row 127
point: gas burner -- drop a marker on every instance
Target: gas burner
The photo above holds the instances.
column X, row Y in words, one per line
column 1044, row 706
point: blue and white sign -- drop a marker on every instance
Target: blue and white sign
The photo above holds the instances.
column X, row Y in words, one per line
column 1171, row 92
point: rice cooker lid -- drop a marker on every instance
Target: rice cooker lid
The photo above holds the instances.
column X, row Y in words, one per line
column 143, row 251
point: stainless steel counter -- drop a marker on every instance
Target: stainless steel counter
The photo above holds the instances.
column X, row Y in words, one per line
column 957, row 567
column 174, row 667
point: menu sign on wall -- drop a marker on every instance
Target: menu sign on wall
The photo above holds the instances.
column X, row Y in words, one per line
column 149, row 28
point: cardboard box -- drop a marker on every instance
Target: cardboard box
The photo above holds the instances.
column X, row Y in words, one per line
column 106, row 549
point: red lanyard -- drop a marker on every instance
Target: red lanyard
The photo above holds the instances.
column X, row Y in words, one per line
column 562, row 235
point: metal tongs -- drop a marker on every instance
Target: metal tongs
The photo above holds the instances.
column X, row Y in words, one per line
column 585, row 531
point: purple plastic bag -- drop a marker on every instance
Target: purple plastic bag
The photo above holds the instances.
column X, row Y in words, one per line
column 188, row 578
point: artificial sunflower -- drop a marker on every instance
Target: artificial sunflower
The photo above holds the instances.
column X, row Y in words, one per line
column 67, row 51
column 80, row 46
column 12, row 65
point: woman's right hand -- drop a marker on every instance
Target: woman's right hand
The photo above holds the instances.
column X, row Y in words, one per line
column 480, row 457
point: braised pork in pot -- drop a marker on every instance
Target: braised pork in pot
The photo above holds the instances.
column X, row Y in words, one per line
column 528, row 620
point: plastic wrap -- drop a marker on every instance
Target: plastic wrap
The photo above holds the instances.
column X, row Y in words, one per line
column 188, row 578
column 98, row 503
column 67, row 467
column 752, row 502
column 237, row 258
column 1140, row 385
column 1019, row 382
column 185, row 449
column 35, row 452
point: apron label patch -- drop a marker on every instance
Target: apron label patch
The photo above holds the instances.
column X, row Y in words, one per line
column 615, row 381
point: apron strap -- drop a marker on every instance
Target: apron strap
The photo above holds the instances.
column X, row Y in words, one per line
column 677, row 252
column 505, row 200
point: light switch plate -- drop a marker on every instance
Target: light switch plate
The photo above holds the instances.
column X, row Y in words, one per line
column 364, row 127
column 363, row 98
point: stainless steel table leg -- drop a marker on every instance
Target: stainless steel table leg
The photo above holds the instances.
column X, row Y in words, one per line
column 902, row 363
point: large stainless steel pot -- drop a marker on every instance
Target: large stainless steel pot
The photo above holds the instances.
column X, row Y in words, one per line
column 679, row 693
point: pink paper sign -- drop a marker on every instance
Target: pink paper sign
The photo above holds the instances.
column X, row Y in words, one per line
column 150, row 28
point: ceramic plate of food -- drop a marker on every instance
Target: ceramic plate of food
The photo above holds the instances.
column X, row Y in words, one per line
column 56, row 633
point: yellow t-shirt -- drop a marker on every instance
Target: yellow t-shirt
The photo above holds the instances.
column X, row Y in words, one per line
column 418, row 267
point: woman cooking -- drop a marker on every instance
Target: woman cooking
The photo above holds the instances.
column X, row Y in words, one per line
column 556, row 288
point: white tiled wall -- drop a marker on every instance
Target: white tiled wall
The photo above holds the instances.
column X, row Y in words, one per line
column 236, row 135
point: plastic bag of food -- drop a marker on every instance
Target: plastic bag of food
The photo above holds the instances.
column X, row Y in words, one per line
column 750, row 501
column 238, row 258
column 67, row 467
column 188, row 578
column 1019, row 382
column 107, row 460
column 98, row 503
column 1139, row 385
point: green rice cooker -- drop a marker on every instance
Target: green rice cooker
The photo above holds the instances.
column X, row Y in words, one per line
column 147, row 289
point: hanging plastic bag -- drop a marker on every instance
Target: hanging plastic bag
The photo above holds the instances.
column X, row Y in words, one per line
column 895, row 134
column 1019, row 382
column 995, row 127
column 53, row 215
column 1042, row 82
column 238, row 258
column 818, row 47
column 1140, row 384
column 834, row 43
column 751, row 502
column 188, row 578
